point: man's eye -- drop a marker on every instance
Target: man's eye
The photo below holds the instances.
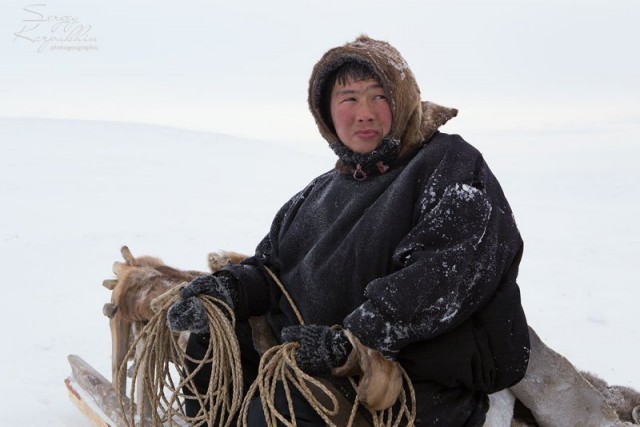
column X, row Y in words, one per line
column 380, row 97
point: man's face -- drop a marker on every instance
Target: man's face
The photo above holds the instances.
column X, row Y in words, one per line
column 361, row 114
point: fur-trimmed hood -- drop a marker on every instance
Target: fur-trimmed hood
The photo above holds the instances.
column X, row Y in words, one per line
column 414, row 121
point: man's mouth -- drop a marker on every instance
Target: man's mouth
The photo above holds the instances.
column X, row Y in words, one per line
column 367, row 133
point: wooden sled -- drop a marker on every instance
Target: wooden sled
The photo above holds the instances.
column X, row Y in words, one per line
column 139, row 282
column 553, row 392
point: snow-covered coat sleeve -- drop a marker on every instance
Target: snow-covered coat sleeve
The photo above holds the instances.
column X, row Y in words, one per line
column 449, row 265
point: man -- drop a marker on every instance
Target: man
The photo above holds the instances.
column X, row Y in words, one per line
column 408, row 244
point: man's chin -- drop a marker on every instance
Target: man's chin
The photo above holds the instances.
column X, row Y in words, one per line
column 364, row 147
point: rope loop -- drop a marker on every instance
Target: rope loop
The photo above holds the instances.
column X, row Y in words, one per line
column 278, row 366
column 159, row 377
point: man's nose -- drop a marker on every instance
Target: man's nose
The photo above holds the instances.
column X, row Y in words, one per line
column 365, row 112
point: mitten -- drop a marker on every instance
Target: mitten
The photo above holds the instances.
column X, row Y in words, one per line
column 221, row 285
column 321, row 348
column 189, row 314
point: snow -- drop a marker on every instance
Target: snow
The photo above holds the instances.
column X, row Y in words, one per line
column 72, row 192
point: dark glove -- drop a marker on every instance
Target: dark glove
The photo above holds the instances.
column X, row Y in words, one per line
column 321, row 348
column 189, row 314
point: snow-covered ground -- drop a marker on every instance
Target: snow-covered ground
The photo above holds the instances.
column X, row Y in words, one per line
column 73, row 192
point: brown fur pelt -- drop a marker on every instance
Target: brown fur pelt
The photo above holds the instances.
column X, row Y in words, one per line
column 624, row 400
column 380, row 378
column 142, row 279
column 217, row 260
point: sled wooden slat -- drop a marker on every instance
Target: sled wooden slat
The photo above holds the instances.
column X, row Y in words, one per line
column 84, row 407
column 120, row 340
column 99, row 388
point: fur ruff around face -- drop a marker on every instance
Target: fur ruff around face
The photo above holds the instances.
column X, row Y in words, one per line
column 414, row 121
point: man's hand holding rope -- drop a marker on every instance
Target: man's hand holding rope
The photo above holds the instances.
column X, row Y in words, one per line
column 321, row 347
column 188, row 314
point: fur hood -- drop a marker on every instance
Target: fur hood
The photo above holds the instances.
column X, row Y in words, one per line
column 414, row 121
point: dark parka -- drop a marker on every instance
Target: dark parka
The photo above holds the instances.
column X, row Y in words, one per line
column 419, row 260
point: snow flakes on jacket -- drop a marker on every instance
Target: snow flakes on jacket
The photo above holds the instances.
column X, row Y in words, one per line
column 398, row 259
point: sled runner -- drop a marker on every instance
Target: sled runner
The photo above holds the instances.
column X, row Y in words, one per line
column 552, row 393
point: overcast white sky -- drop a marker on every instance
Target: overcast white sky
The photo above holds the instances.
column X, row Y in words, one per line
column 241, row 67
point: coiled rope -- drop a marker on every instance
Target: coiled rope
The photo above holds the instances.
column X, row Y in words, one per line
column 278, row 365
column 157, row 354
column 158, row 349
